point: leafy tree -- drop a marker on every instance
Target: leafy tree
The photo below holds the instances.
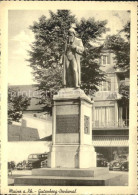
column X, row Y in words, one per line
column 120, row 45
column 124, row 91
column 47, row 50
column 124, row 102
column 17, row 103
column 126, row 31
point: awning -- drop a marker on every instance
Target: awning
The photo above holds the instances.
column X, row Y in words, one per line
column 111, row 141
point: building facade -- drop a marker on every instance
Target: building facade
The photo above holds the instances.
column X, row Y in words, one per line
column 110, row 118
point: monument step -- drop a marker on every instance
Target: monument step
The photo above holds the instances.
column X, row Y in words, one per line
column 110, row 179
column 68, row 172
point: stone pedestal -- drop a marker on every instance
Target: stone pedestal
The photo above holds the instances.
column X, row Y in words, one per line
column 72, row 131
column 72, row 160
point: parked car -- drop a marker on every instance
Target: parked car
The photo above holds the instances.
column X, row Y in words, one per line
column 34, row 160
column 122, row 166
column 19, row 166
column 112, row 163
column 44, row 163
column 101, row 160
column 28, row 166
column 121, row 163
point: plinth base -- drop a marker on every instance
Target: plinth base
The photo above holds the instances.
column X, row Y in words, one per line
column 72, row 156
column 69, row 177
column 68, row 172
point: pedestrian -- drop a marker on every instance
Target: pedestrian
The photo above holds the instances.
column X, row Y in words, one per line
column 9, row 168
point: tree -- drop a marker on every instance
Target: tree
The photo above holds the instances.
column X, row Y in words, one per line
column 17, row 103
column 48, row 48
column 120, row 45
column 124, row 91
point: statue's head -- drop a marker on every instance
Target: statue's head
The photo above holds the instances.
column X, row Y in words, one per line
column 71, row 33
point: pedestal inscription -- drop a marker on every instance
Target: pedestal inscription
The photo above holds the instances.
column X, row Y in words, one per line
column 67, row 123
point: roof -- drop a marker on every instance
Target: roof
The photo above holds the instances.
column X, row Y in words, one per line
column 31, row 92
column 38, row 153
column 48, row 138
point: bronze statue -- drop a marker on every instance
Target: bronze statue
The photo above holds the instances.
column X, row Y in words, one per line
column 73, row 50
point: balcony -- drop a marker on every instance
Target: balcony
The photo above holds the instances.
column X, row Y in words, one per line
column 121, row 124
column 107, row 95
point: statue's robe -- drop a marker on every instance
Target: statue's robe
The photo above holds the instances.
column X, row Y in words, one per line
column 72, row 69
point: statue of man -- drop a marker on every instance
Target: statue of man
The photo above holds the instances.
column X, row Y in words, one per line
column 73, row 50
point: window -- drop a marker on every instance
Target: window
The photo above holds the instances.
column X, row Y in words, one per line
column 105, row 85
column 35, row 156
column 105, row 59
column 44, row 155
column 30, row 157
column 108, row 59
column 104, row 116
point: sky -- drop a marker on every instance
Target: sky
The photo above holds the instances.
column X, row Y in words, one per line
column 20, row 37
